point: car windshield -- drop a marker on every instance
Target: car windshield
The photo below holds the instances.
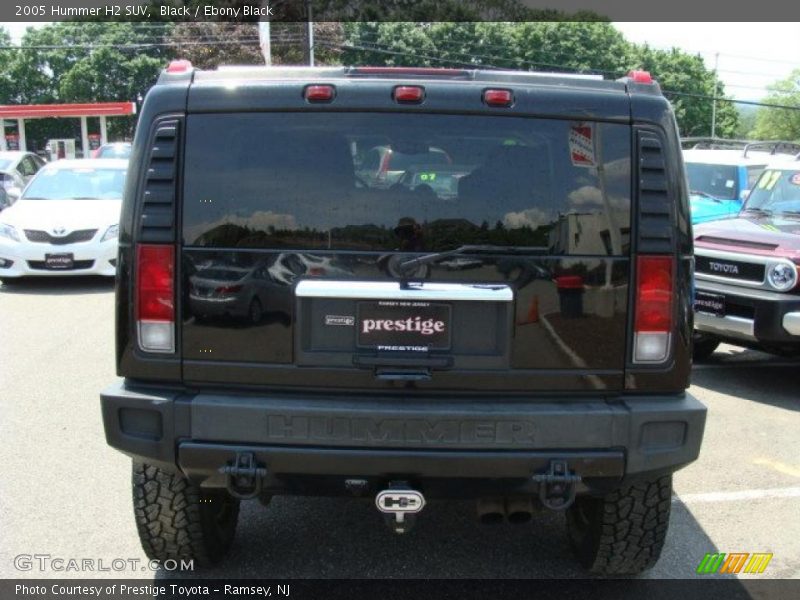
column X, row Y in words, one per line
column 718, row 181
column 777, row 191
column 115, row 151
column 401, row 161
column 4, row 163
column 78, row 183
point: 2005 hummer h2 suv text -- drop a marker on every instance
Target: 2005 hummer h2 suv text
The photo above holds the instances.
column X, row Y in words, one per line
column 405, row 284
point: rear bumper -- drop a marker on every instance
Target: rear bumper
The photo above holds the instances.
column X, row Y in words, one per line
column 753, row 316
column 310, row 439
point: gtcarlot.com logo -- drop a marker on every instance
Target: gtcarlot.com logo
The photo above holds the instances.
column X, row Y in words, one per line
column 48, row 562
column 734, row 562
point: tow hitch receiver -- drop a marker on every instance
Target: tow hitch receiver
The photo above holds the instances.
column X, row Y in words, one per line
column 400, row 504
column 557, row 486
column 243, row 478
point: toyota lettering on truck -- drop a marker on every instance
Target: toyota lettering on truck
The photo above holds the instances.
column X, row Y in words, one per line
column 355, row 281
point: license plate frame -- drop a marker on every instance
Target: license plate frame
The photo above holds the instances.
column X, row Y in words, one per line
column 60, row 261
column 709, row 303
column 433, row 317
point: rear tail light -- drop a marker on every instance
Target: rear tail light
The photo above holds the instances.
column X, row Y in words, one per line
column 654, row 309
column 227, row 290
column 412, row 94
column 498, row 97
column 319, row 93
column 383, row 169
column 155, row 297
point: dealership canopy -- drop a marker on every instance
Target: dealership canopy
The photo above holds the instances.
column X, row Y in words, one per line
column 21, row 112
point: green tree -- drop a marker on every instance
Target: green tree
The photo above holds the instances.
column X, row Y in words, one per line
column 780, row 123
column 573, row 46
column 689, row 85
column 84, row 61
column 6, row 58
column 210, row 44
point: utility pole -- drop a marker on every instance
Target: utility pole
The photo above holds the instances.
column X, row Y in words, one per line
column 264, row 41
column 310, row 34
column 714, row 100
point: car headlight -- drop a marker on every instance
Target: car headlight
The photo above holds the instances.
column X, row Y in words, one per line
column 7, row 231
column 110, row 233
column 782, row 276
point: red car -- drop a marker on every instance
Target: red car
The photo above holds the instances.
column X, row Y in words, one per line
column 746, row 269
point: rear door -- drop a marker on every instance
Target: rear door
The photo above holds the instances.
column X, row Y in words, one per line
column 276, row 200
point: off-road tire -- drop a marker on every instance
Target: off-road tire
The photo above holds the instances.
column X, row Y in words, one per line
column 704, row 346
column 623, row 532
column 176, row 520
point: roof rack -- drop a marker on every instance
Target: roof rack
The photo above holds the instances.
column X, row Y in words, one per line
column 774, row 147
column 714, row 143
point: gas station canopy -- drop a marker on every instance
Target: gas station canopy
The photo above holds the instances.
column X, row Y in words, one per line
column 21, row 112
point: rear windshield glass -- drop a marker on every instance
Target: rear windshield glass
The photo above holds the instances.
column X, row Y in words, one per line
column 416, row 182
column 719, row 181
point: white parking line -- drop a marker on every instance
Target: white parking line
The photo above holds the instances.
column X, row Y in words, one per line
column 790, row 492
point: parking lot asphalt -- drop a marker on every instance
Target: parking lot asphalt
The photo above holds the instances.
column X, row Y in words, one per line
column 66, row 494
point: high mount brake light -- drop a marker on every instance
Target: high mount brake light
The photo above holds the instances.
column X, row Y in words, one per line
column 423, row 71
column 411, row 94
column 501, row 98
column 155, row 297
column 653, row 319
column 319, row 93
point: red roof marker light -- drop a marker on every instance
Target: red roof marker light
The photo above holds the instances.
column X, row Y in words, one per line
column 411, row 94
column 498, row 97
column 319, row 93
column 640, row 76
column 179, row 66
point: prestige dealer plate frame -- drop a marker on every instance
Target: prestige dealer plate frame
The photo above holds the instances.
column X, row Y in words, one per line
column 414, row 325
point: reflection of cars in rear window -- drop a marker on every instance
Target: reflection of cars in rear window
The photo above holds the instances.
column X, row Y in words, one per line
column 442, row 180
column 385, row 165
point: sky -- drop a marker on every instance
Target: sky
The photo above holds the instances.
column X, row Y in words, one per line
column 751, row 55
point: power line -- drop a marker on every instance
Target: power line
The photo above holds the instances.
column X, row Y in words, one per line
column 566, row 68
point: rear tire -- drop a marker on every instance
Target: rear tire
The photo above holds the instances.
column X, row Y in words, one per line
column 177, row 520
column 622, row 533
column 704, row 347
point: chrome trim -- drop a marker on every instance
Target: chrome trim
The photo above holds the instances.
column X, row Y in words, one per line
column 791, row 323
column 391, row 290
column 767, row 261
column 735, row 327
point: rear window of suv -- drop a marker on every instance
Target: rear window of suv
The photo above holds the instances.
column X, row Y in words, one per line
column 300, row 181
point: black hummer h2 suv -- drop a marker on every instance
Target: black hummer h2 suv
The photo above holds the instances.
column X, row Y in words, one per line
column 404, row 284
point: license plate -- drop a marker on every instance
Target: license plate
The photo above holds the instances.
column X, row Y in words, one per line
column 58, row 261
column 395, row 326
column 713, row 304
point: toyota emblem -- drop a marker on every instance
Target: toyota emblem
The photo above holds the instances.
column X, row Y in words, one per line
column 59, row 230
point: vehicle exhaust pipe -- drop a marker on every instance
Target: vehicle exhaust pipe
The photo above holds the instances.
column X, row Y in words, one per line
column 519, row 510
column 491, row 511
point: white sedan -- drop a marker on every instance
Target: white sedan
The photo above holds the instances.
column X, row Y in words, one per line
column 66, row 221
